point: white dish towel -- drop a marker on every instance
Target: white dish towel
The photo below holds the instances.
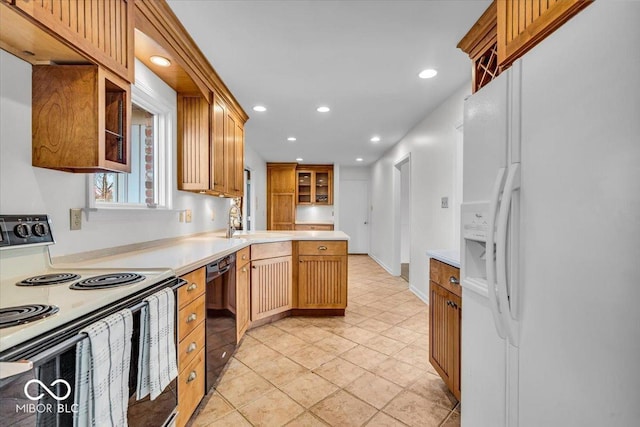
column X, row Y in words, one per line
column 157, row 365
column 102, row 372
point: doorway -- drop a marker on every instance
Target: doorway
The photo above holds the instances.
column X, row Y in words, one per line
column 247, row 205
column 354, row 214
column 402, row 208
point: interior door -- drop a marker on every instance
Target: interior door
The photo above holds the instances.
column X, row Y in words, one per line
column 354, row 214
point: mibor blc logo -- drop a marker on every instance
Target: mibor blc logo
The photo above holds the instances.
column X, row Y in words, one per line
column 51, row 390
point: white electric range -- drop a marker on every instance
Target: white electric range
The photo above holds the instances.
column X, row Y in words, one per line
column 36, row 297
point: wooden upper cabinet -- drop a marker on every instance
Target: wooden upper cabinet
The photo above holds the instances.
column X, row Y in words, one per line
column 314, row 185
column 218, row 132
column 193, row 143
column 210, row 147
column 508, row 29
column 524, row 23
column 234, row 149
column 102, row 31
column 80, row 119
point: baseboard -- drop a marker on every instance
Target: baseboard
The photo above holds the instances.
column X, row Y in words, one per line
column 388, row 270
column 419, row 294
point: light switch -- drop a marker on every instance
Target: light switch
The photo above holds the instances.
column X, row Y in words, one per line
column 445, row 202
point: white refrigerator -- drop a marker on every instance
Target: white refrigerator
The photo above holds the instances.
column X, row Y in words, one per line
column 550, row 251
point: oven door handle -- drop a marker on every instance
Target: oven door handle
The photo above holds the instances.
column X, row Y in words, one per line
column 9, row 369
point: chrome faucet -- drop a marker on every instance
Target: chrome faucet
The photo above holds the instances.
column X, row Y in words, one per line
column 234, row 217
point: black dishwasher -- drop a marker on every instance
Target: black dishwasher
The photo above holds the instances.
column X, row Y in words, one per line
column 221, row 316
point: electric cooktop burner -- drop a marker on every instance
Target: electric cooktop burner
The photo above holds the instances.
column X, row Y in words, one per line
column 49, row 279
column 12, row 316
column 108, row 281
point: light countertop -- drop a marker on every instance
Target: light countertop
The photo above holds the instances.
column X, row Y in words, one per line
column 187, row 254
column 323, row 222
column 448, row 256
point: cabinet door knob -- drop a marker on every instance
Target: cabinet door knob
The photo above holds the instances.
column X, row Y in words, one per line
column 244, row 269
column 192, row 287
column 244, row 256
column 192, row 376
column 192, row 347
column 322, row 248
column 454, row 281
column 192, row 317
column 449, row 303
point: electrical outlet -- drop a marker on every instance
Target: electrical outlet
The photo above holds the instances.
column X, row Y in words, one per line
column 445, row 202
column 75, row 219
column 181, row 218
column 187, row 215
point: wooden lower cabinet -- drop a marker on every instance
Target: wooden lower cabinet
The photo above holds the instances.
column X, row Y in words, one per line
column 191, row 343
column 445, row 316
column 271, row 287
column 243, row 292
column 322, row 274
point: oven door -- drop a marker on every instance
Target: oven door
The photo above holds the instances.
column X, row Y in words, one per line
column 44, row 396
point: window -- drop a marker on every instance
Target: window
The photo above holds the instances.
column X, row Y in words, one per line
column 147, row 186
column 140, row 186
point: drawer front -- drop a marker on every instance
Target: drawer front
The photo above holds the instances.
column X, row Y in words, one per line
column 190, row 388
column 190, row 346
column 243, row 256
column 193, row 289
column 322, row 247
column 270, row 250
column 312, row 227
column 190, row 317
column 446, row 276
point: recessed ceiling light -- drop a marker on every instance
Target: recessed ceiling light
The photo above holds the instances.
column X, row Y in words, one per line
column 428, row 73
column 291, row 138
column 323, row 109
column 375, row 139
column 299, row 159
column 359, row 159
column 160, row 60
column 260, row 108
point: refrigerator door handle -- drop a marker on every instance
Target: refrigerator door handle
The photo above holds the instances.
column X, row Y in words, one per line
column 511, row 184
column 489, row 258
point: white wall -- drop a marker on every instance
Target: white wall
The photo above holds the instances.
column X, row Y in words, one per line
column 258, row 168
column 432, row 145
column 27, row 189
column 405, row 213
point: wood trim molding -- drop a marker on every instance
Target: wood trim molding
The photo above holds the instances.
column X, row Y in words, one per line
column 156, row 19
column 482, row 34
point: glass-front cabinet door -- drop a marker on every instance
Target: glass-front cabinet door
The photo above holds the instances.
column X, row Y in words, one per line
column 322, row 183
column 303, row 196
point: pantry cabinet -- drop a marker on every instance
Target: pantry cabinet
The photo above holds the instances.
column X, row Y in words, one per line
column 101, row 32
column 445, row 316
column 271, row 279
column 80, row 119
column 191, row 344
column 281, row 193
column 322, row 274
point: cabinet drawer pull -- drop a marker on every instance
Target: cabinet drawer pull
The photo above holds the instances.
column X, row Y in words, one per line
column 192, row 376
column 192, row 287
column 192, row 347
column 322, row 248
column 454, row 281
column 192, row 317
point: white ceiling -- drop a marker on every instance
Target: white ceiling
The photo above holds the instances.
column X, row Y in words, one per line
column 360, row 58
